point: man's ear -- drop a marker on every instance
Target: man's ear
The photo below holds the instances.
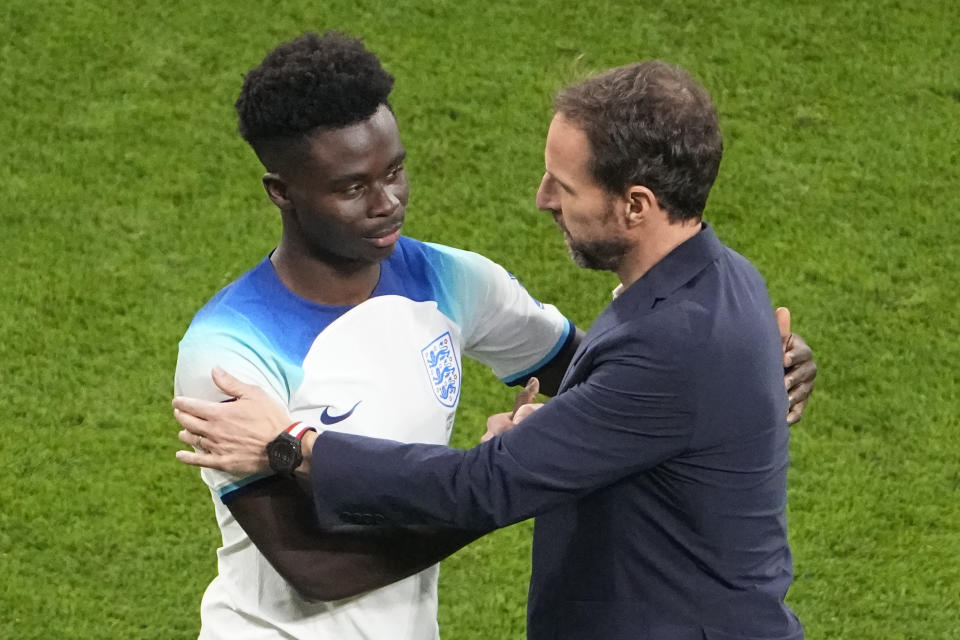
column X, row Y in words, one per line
column 276, row 188
column 641, row 202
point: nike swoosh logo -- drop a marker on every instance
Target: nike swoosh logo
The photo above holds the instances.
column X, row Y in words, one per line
column 328, row 419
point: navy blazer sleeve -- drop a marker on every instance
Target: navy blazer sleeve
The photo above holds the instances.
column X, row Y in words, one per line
column 630, row 413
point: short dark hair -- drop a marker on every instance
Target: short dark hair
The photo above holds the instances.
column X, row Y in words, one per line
column 329, row 81
column 652, row 124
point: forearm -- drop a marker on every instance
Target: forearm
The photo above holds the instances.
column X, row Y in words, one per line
column 331, row 565
column 551, row 374
column 360, row 559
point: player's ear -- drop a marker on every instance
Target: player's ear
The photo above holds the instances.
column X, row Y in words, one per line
column 276, row 188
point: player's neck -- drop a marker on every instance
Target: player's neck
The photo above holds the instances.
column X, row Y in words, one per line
column 322, row 282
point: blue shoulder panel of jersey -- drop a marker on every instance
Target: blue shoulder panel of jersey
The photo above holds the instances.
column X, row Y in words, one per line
column 287, row 325
column 411, row 271
column 260, row 310
column 451, row 275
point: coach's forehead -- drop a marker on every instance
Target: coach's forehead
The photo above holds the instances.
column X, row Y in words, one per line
column 567, row 153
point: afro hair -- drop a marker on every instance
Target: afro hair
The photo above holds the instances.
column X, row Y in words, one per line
column 329, row 81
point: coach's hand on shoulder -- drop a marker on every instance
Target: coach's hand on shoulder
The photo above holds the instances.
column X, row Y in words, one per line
column 799, row 368
column 232, row 435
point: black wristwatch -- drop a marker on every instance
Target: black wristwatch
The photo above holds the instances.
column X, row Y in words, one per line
column 284, row 452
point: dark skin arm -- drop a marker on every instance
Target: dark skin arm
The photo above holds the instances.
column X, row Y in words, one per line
column 331, row 565
column 551, row 374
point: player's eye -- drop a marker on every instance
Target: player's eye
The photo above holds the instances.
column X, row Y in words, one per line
column 395, row 173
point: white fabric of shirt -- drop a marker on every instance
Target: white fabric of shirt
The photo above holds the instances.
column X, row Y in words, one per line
column 389, row 367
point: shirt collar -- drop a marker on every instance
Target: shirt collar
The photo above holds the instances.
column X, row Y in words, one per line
column 673, row 271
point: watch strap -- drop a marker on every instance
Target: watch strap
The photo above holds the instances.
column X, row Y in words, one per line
column 298, row 430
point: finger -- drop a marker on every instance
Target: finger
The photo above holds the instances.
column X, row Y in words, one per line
column 230, row 385
column 487, row 436
column 203, row 409
column 783, row 322
column 789, row 354
column 797, row 351
column 196, row 459
column 199, row 442
column 801, row 373
column 800, row 393
column 188, row 437
column 499, row 422
column 193, row 424
column 528, row 394
column 525, row 411
column 796, row 413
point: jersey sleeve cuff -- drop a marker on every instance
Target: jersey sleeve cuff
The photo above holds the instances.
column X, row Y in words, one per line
column 236, row 489
column 566, row 337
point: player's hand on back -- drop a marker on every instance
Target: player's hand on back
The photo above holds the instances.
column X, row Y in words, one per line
column 799, row 368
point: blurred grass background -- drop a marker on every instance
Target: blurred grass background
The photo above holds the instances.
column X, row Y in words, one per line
column 128, row 200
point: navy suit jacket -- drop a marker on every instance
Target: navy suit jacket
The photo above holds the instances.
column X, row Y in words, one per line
column 657, row 475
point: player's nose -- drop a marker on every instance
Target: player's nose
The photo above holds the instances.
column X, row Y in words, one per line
column 386, row 203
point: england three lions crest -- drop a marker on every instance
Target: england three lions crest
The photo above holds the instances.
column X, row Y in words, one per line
column 443, row 369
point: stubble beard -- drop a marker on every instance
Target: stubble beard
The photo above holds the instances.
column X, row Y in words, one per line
column 599, row 255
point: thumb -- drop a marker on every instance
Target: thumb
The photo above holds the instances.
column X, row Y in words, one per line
column 228, row 384
column 528, row 394
column 525, row 411
column 783, row 322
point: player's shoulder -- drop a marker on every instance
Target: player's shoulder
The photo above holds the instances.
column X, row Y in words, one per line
column 441, row 266
column 233, row 303
column 411, row 249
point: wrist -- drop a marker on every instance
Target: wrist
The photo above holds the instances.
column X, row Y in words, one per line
column 285, row 452
column 306, row 449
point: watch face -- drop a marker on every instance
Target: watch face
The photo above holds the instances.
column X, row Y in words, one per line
column 284, row 453
column 283, row 456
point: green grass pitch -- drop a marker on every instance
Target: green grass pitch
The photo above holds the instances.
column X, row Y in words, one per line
column 128, row 200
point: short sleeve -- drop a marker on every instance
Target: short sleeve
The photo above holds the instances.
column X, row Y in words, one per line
column 201, row 351
column 503, row 326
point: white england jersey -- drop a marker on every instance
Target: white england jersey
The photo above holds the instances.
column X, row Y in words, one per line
column 389, row 367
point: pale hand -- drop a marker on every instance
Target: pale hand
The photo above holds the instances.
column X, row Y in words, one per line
column 523, row 406
column 232, row 435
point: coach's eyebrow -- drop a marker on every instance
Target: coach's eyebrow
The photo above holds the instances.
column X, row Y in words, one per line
column 563, row 184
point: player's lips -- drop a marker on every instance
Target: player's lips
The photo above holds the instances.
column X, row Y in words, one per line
column 387, row 236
